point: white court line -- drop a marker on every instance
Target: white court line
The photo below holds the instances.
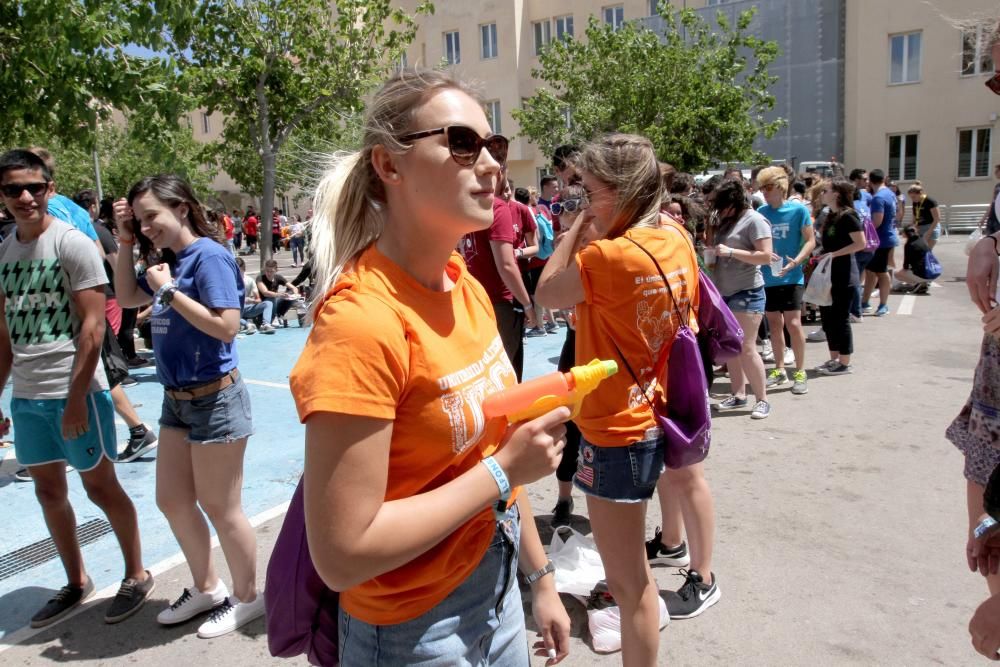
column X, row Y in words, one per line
column 906, row 305
column 264, row 383
column 28, row 632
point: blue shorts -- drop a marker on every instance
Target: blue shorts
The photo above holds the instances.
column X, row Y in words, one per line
column 217, row 418
column 922, row 230
column 38, row 431
column 747, row 301
column 621, row 474
column 480, row 623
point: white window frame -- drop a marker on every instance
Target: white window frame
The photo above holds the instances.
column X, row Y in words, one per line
column 616, row 14
column 494, row 117
column 972, row 175
column 452, row 47
column 488, row 45
column 206, row 125
column 981, row 53
column 902, row 176
column 542, row 32
column 564, row 26
column 907, row 77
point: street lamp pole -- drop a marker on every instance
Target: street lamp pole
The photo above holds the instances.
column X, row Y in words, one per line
column 97, row 175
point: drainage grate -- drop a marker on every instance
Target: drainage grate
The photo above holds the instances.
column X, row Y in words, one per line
column 33, row 555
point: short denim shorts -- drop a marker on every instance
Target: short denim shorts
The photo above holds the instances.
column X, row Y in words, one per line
column 620, row 474
column 747, row 301
column 480, row 623
column 221, row 417
column 922, row 230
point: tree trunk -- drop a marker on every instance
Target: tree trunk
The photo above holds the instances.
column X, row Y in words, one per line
column 267, row 206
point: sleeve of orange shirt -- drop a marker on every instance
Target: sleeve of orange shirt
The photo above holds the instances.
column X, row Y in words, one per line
column 352, row 370
column 598, row 272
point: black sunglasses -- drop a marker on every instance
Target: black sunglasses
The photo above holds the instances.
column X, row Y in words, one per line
column 568, row 205
column 465, row 144
column 14, row 190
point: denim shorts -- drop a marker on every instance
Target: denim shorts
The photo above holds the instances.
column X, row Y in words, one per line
column 620, row 474
column 221, row 417
column 480, row 623
column 922, row 230
column 747, row 301
column 38, row 427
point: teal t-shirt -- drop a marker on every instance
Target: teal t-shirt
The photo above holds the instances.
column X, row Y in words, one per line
column 787, row 224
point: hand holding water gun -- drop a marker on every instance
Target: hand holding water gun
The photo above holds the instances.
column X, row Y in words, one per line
column 534, row 398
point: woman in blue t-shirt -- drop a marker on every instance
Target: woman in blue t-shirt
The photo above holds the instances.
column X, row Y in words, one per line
column 196, row 291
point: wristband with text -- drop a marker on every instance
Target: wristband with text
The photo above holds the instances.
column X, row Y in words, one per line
column 499, row 476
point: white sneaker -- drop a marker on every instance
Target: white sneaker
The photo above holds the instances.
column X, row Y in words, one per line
column 251, row 329
column 266, row 329
column 817, row 336
column 231, row 615
column 767, row 352
column 191, row 603
column 789, row 357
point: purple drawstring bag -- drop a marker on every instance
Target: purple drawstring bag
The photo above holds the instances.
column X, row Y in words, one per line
column 717, row 326
column 301, row 610
column 687, row 419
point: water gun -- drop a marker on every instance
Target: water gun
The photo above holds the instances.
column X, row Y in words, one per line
column 534, row 398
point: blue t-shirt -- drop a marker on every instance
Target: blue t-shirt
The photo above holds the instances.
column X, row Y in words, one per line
column 866, row 197
column 67, row 210
column 206, row 272
column 787, row 224
column 884, row 202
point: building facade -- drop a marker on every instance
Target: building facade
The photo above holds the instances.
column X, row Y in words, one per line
column 914, row 103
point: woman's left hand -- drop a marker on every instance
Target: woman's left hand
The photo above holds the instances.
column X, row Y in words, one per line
column 552, row 621
column 158, row 276
column 722, row 250
column 991, row 322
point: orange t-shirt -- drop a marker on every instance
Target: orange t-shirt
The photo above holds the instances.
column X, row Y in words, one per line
column 386, row 347
column 624, row 299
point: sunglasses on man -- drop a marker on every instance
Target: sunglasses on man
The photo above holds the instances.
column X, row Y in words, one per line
column 14, row 190
column 568, row 205
column 465, row 144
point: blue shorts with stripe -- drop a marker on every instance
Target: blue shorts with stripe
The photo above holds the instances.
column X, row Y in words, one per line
column 38, row 432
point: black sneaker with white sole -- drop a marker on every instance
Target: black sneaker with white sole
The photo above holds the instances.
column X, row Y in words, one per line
column 694, row 597
column 137, row 446
column 132, row 594
column 62, row 603
column 659, row 554
column 563, row 512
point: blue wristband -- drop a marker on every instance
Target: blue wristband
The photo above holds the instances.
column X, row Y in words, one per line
column 499, row 476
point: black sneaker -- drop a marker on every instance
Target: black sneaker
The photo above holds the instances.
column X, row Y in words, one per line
column 63, row 602
column 129, row 381
column 561, row 514
column 22, row 475
column 658, row 554
column 131, row 596
column 137, row 446
column 694, row 597
column 838, row 369
column 137, row 362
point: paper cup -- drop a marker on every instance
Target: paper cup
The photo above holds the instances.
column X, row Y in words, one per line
column 776, row 266
column 709, row 255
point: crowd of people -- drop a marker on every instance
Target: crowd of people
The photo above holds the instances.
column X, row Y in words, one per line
column 607, row 252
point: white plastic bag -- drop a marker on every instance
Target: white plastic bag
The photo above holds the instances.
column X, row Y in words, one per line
column 820, row 288
column 578, row 565
column 605, row 626
column 973, row 239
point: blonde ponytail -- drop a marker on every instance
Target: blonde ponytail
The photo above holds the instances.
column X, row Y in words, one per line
column 349, row 204
column 345, row 222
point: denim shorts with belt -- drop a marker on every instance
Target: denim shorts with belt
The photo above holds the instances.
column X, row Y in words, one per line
column 480, row 623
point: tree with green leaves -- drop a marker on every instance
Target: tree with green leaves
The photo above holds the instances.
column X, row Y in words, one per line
column 285, row 72
column 65, row 66
column 700, row 95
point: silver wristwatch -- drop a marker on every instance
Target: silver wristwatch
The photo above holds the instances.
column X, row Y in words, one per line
column 538, row 574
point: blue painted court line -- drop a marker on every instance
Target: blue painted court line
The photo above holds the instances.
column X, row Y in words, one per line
column 273, row 465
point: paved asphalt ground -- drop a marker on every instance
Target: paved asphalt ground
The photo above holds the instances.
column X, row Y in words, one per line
column 840, row 519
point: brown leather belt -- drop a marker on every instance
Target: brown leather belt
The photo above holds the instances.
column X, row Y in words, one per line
column 204, row 389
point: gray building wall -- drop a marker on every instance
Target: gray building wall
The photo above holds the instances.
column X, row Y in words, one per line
column 809, row 92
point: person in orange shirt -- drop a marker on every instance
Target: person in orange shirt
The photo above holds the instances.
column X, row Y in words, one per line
column 411, row 499
column 624, row 312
